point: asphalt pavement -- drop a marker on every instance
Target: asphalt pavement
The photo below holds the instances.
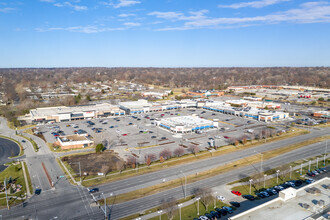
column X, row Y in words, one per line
column 8, row 149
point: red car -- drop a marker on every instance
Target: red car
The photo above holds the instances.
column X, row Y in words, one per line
column 124, row 134
column 236, row 193
column 226, row 137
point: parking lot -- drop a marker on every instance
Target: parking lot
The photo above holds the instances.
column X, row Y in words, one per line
column 138, row 134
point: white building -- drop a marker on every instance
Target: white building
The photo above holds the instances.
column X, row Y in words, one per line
column 186, row 124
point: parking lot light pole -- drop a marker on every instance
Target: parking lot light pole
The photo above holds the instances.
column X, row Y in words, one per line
column 309, row 166
column 180, row 210
column 197, row 199
column 160, row 214
column 301, row 165
column 250, row 184
column 215, row 199
column 317, row 163
column 265, row 180
column 277, row 172
column 325, row 152
column 290, row 172
column 324, row 160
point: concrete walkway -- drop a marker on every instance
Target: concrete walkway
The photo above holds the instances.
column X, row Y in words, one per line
column 26, row 180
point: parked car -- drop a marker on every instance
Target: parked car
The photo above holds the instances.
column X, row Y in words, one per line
column 249, row 197
column 203, row 217
column 153, row 136
column 221, row 211
column 221, row 198
column 265, row 193
column 290, row 183
column 236, row 193
column 208, row 215
column 23, row 141
column 308, row 181
column 228, row 209
column 298, row 182
column 215, row 214
column 260, row 195
column 310, row 174
column 278, row 188
column 235, row 204
column 324, row 170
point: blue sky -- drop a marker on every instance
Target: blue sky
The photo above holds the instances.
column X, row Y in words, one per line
column 164, row 33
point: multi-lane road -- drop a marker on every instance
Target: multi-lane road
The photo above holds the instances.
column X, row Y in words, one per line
column 65, row 201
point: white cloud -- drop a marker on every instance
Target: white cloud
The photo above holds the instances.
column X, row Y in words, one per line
column 132, row 24
column 194, row 15
column 50, row 1
column 69, row 4
column 126, row 15
column 121, row 3
column 5, row 10
column 310, row 12
column 253, row 4
column 81, row 29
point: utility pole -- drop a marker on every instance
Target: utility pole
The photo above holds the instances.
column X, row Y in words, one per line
column 301, row 165
column 325, row 151
column 277, row 172
column 317, row 163
column 309, row 166
column 215, row 199
column 5, row 183
column 265, row 180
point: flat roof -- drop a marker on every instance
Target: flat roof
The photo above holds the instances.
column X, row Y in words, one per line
column 292, row 209
column 74, row 137
column 71, row 109
column 185, row 121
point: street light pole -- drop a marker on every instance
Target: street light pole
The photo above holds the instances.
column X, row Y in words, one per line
column 250, row 184
column 277, row 172
column 265, row 180
column 180, row 210
column 301, row 165
column 215, row 199
column 317, row 163
column 105, row 206
column 160, row 214
column 309, row 166
column 185, row 184
column 197, row 199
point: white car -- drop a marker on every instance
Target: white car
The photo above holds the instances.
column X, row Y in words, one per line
column 202, row 217
column 221, row 198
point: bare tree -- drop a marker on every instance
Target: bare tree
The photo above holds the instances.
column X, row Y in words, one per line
column 170, row 207
column 131, row 161
column 205, row 195
column 178, row 151
column 105, row 169
column 166, row 154
column 194, row 149
column 152, row 157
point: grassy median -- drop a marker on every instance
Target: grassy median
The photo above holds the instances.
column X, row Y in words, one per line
column 247, row 161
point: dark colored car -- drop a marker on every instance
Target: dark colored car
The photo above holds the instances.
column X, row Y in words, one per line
column 260, row 195
column 153, row 136
column 111, row 127
column 249, row 197
column 298, row 183
column 23, row 141
column 215, row 214
column 235, row 204
column 221, row 211
column 94, row 190
column 37, row 192
column 310, row 174
column 163, row 138
column 208, row 215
